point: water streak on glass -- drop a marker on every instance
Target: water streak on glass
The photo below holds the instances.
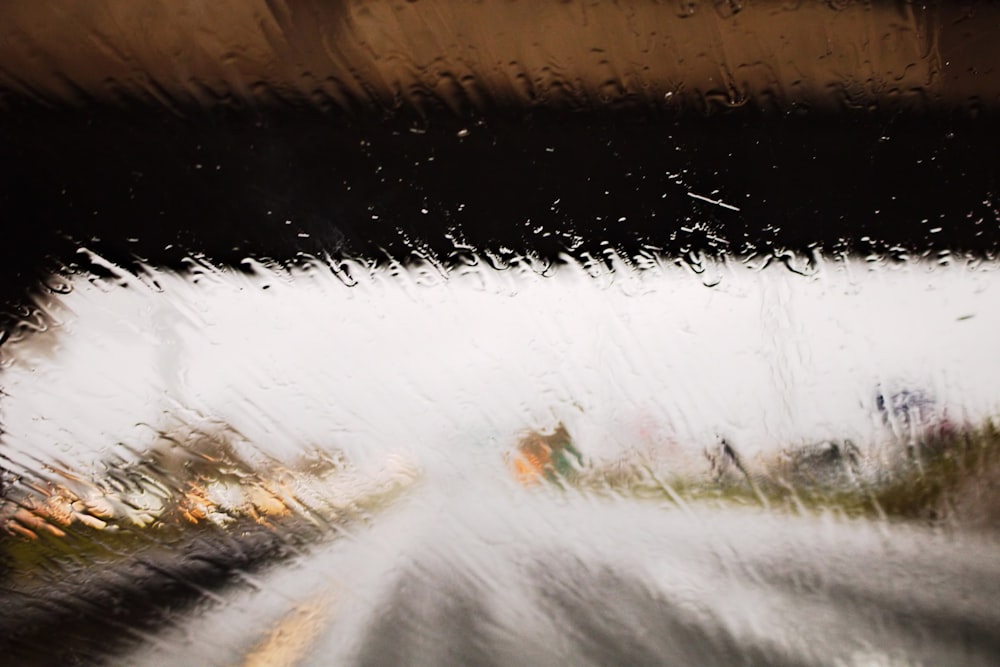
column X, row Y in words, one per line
column 524, row 404
column 422, row 332
column 431, row 55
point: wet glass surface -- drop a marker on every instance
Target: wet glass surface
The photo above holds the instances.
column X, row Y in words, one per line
column 440, row 334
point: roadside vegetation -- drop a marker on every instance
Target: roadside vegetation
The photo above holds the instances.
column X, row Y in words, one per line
column 945, row 478
column 194, row 485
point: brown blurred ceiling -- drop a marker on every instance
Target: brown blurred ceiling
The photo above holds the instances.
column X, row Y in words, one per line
column 364, row 56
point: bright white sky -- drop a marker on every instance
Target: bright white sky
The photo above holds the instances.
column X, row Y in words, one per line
column 651, row 360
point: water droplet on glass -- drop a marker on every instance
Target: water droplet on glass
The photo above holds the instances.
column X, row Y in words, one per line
column 499, row 333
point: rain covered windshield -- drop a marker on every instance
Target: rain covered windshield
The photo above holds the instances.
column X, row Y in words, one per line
column 499, row 333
